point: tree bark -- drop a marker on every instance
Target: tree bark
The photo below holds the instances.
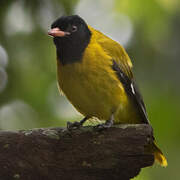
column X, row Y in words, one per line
column 82, row 154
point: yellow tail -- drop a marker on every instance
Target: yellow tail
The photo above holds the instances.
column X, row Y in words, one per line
column 158, row 155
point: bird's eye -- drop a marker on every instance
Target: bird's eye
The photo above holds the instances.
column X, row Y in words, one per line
column 74, row 28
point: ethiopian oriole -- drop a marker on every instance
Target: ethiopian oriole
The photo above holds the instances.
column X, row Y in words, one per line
column 95, row 74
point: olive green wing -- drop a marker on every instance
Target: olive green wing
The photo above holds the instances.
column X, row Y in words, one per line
column 122, row 65
column 117, row 53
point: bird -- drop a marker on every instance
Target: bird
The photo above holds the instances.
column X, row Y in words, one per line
column 95, row 74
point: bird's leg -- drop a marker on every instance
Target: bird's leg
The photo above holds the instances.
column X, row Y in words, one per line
column 107, row 124
column 75, row 125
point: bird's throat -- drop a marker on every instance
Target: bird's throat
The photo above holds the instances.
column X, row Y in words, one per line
column 71, row 51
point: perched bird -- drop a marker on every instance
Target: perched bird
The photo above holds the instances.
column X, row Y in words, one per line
column 95, row 74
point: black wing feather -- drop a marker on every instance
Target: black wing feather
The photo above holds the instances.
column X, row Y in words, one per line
column 132, row 91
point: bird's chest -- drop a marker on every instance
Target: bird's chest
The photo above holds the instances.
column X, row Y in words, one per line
column 90, row 85
column 73, row 81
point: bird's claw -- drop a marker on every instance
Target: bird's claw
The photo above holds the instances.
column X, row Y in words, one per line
column 73, row 125
column 103, row 126
column 106, row 125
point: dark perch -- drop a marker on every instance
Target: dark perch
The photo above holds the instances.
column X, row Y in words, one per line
column 83, row 154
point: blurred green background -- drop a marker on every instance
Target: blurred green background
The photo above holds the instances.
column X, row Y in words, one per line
column 150, row 32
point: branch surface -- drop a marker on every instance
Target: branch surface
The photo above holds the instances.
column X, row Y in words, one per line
column 82, row 154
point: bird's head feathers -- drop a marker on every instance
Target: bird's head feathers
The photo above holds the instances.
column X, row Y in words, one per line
column 71, row 35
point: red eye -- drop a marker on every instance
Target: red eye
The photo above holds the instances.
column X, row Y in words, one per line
column 74, row 28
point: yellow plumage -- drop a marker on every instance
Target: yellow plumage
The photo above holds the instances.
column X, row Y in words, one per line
column 92, row 86
column 100, row 83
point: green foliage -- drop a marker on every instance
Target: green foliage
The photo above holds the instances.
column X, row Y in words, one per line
column 150, row 14
column 69, row 6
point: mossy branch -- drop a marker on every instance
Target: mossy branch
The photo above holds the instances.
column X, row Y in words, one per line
column 85, row 153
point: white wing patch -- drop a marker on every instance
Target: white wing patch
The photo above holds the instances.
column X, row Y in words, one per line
column 60, row 90
column 132, row 88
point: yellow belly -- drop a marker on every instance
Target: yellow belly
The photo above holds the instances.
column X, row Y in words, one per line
column 94, row 89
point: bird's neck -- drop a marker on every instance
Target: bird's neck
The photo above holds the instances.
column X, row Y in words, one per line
column 71, row 51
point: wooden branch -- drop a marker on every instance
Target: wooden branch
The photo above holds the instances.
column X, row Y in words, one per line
column 82, row 154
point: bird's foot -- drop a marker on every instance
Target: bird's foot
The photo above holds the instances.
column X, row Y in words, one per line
column 105, row 125
column 73, row 125
column 76, row 125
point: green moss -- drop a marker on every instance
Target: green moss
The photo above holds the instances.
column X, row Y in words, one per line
column 6, row 146
column 85, row 164
column 124, row 126
column 51, row 134
column 28, row 132
column 16, row 176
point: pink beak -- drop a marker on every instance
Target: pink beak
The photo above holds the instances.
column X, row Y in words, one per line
column 56, row 32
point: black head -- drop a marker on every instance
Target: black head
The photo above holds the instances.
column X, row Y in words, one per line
column 71, row 37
